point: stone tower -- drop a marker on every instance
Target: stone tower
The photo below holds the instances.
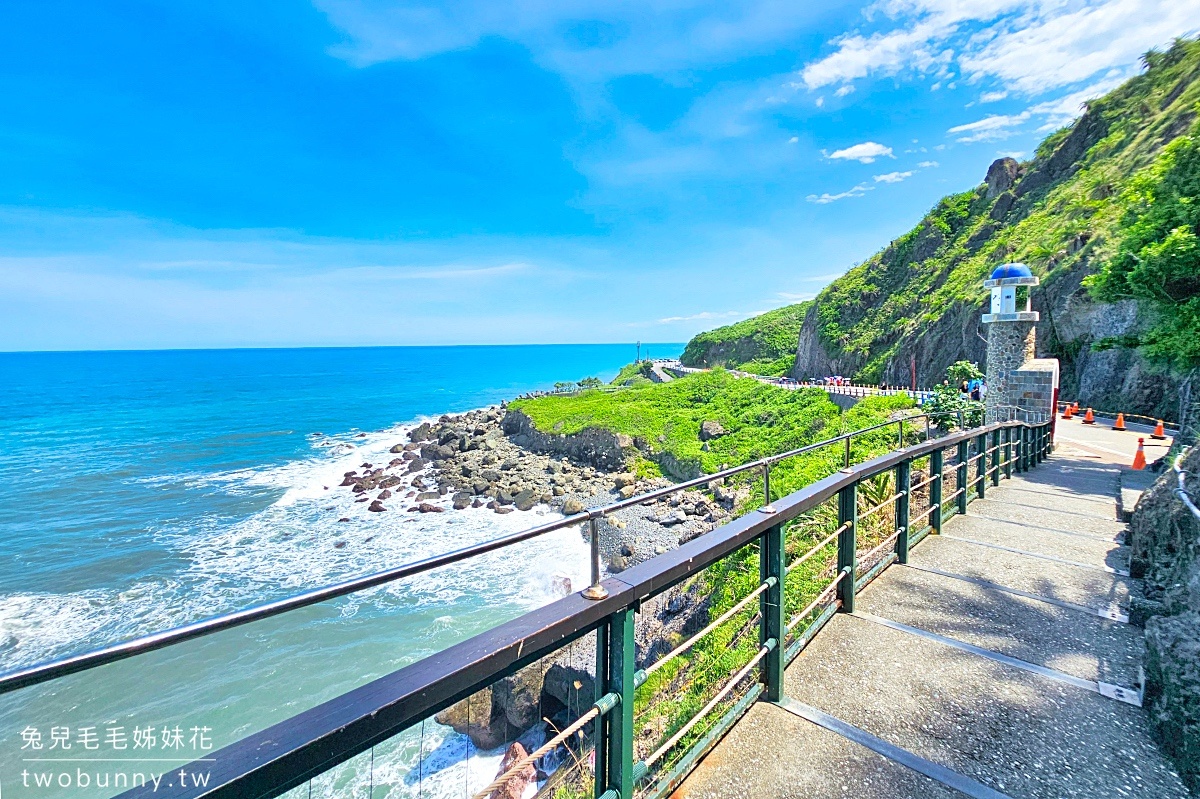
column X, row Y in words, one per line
column 1019, row 385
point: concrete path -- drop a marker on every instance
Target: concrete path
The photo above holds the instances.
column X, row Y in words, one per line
column 996, row 664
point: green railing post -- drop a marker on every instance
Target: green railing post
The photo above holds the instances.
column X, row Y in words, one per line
column 903, row 488
column 981, row 463
column 602, row 683
column 960, row 475
column 996, row 453
column 771, row 565
column 936, row 461
column 1006, row 434
column 615, row 728
column 848, row 544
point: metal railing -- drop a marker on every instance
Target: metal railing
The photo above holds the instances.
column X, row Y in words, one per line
column 292, row 752
column 1180, row 489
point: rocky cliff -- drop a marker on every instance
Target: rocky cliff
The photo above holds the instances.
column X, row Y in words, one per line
column 1064, row 213
column 1165, row 538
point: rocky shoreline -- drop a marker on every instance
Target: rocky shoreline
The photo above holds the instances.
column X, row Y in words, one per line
column 493, row 458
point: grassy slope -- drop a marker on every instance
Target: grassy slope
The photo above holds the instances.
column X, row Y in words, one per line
column 1074, row 216
column 759, row 419
column 764, row 344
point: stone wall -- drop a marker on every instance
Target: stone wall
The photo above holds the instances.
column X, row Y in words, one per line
column 1031, row 390
column 1010, row 345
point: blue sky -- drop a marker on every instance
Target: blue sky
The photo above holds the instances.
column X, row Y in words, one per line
column 178, row 174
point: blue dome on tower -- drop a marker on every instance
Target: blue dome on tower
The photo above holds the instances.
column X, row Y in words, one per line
column 1011, row 270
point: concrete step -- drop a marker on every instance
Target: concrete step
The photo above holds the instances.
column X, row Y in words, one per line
column 772, row 753
column 1080, row 586
column 1023, row 734
column 1011, row 508
column 1094, row 551
column 1059, row 638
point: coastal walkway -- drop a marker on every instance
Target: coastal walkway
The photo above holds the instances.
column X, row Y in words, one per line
column 998, row 662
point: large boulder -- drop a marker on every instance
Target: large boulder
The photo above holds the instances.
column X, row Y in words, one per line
column 525, row 500
column 1001, row 176
column 422, row 432
column 519, row 783
column 710, row 430
column 572, row 506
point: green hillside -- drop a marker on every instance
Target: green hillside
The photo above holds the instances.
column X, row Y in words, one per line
column 1105, row 212
column 764, row 344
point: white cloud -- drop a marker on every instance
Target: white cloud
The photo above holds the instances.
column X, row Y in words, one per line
column 801, row 297
column 794, row 140
column 928, row 164
column 864, row 153
column 1028, row 47
column 824, row 199
column 842, row 92
column 893, row 177
column 702, row 315
column 885, row 54
column 587, row 40
column 991, row 128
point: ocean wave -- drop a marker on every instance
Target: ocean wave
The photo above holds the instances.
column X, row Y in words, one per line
column 295, row 544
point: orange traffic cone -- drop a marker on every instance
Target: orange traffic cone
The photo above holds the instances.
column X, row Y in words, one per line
column 1139, row 460
column 1159, row 433
column 1067, row 412
column 1075, row 406
column 1088, row 418
column 1120, row 423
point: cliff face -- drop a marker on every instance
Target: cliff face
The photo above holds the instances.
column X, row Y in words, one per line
column 1063, row 213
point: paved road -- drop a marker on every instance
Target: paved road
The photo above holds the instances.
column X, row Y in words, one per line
column 850, row 391
column 986, row 668
column 1108, row 445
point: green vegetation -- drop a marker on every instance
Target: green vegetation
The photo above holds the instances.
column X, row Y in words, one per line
column 665, row 418
column 634, row 373
column 1158, row 261
column 764, row 344
column 947, row 402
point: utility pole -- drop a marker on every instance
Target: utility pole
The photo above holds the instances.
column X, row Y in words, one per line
column 639, row 352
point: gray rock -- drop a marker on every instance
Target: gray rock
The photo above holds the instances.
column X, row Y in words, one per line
column 462, row 500
column 572, row 506
column 525, row 500
column 710, row 430
column 422, row 432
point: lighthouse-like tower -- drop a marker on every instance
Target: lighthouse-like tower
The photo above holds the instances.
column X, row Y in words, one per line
column 1011, row 341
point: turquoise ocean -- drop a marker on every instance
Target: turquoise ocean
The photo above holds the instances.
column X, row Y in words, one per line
column 143, row 490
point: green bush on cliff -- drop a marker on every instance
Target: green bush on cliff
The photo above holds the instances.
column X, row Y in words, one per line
column 762, row 342
column 1158, row 261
